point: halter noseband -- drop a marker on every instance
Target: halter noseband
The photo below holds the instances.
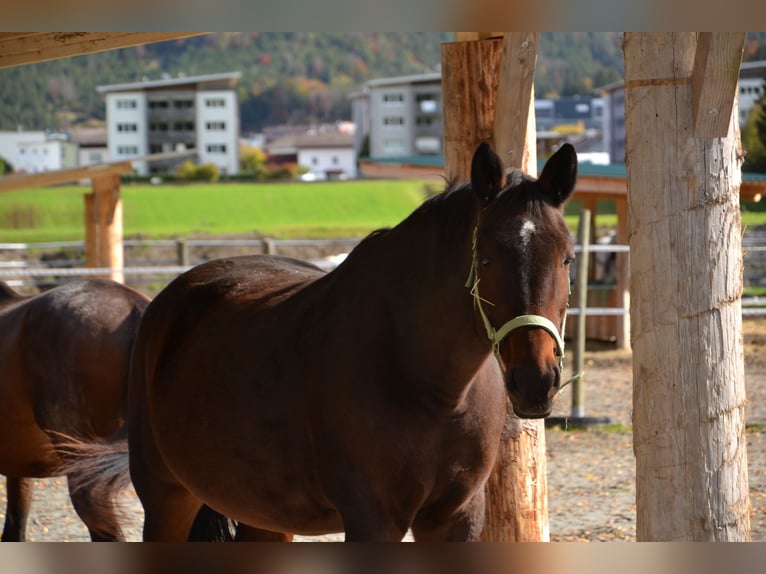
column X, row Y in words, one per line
column 496, row 336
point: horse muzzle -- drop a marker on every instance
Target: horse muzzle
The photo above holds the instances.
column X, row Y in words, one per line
column 532, row 389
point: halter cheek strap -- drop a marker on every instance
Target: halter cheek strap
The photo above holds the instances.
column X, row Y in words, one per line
column 496, row 336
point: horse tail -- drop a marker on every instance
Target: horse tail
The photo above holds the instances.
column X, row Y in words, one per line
column 211, row 526
column 90, row 462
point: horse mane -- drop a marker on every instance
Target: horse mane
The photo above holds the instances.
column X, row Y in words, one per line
column 8, row 294
column 452, row 208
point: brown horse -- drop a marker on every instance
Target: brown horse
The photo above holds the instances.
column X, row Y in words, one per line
column 64, row 359
column 367, row 399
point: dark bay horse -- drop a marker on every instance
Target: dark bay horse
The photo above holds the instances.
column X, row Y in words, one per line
column 369, row 399
column 64, row 359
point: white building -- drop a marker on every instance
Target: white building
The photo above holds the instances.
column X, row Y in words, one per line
column 37, row 151
column 195, row 113
column 327, row 155
column 91, row 145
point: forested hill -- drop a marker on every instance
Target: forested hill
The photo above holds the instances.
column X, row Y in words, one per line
column 291, row 77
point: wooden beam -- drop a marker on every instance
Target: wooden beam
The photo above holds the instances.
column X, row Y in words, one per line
column 714, row 81
column 30, row 180
column 474, row 36
column 18, row 48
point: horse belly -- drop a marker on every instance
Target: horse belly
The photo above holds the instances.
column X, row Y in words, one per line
column 252, row 457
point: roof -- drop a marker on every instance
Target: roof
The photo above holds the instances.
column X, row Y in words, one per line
column 428, row 78
column 308, row 141
column 88, row 136
column 168, row 82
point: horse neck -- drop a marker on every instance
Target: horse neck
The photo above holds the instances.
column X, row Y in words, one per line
column 426, row 262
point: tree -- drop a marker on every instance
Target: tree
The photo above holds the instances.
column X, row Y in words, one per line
column 754, row 137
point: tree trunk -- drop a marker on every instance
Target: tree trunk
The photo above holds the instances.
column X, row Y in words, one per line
column 685, row 301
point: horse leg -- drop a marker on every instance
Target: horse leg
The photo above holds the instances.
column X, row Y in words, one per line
column 365, row 521
column 247, row 533
column 19, row 501
column 95, row 507
column 169, row 511
column 464, row 525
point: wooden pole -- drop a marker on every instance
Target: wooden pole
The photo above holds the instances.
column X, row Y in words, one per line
column 103, row 226
column 686, row 286
column 581, row 302
column 487, row 88
column 623, row 276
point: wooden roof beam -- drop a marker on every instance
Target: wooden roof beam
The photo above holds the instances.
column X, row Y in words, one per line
column 45, row 178
column 714, row 81
column 18, row 48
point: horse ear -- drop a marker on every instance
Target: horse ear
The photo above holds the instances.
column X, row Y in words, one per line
column 560, row 175
column 486, row 173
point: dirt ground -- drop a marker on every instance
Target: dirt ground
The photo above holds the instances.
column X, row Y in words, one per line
column 591, row 490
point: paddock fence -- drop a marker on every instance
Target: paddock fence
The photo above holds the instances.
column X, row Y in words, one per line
column 150, row 264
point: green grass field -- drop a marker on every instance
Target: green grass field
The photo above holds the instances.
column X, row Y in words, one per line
column 280, row 210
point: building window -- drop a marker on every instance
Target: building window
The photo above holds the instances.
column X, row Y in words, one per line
column 155, row 148
column 183, row 104
column 215, row 126
column 425, row 120
column 393, row 145
column 335, row 160
column 127, row 128
column 427, row 103
column 127, row 150
column 315, row 160
column 216, row 148
column 215, row 102
column 158, row 127
column 428, row 145
column 158, row 104
column 127, row 104
column 94, row 156
column 393, row 97
column 393, row 121
column 183, row 126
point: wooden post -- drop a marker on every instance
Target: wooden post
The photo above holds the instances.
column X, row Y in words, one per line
column 476, row 76
column 623, row 276
column 581, row 302
column 103, row 226
column 686, row 286
column 469, row 89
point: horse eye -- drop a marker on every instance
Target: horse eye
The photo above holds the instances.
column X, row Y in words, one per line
column 484, row 261
column 568, row 261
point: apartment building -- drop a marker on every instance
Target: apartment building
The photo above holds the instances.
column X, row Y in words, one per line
column 196, row 114
column 401, row 116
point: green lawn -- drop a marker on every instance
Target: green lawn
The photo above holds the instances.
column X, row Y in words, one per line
column 282, row 210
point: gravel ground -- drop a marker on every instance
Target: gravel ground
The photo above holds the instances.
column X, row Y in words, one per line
column 591, row 490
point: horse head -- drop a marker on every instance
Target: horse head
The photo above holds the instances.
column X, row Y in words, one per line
column 519, row 276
